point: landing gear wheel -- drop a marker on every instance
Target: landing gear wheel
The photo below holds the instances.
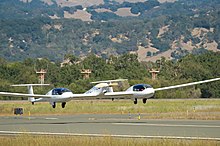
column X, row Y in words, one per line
column 54, row 105
column 135, row 101
column 63, row 104
column 144, row 100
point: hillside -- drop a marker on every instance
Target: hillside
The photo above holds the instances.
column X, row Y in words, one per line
column 53, row 28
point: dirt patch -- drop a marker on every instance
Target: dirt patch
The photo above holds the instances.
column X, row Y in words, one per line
column 49, row 2
column 131, row 1
column 200, row 32
column 100, row 10
column 162, row 30
column 25, row 1
column 170, row 1
column 124, row 12
column 181, row 44
column 211, row 46
column 142, row 52
column 79, row 14
column 83, row 3
column 166, row 54
column 58, row 26
column 54, row 17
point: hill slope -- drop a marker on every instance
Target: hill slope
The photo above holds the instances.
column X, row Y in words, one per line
column 35, row 28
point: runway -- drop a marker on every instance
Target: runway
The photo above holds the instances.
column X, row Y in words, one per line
column 118, row 125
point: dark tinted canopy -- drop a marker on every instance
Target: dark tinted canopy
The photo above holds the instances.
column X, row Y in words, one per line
column 141, row 87
column 60, row 91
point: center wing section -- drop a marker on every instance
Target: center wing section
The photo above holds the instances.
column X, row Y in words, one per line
column 120, row 94
column 84, row 96
column 185, row 85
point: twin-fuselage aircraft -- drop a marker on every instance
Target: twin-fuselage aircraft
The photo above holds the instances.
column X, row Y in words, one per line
column 103, row 90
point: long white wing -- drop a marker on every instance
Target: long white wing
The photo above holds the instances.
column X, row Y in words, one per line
column 187, row 84
column 73, row 96
column 24, row 95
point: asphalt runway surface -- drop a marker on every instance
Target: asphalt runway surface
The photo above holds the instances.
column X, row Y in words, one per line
column 118, row 125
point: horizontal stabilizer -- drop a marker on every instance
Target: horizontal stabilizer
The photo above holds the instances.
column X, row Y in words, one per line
column 25, row 85
column 102, row 85
column 109, row 81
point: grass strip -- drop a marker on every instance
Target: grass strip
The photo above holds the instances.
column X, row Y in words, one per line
column 205, row 109
column 27, row 140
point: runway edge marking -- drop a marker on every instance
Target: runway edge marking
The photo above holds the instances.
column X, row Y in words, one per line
column 167, row 125
column 107, row 135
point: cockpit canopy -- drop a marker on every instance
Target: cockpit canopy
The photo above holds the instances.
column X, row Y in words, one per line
column 140, row 87
column 59, row 91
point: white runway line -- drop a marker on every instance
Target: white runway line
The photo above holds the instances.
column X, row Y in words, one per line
column 51, row 118
column 107, row 135
column 166, row 125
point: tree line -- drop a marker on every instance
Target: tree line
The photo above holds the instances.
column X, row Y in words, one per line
column 188, row 69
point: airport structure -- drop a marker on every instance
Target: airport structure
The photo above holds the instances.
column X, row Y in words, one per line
column 86, row 73
column 154, row 73
column 41, row 73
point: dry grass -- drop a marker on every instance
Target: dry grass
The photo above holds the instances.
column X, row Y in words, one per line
column 206, row 109
column 28, row 140
column 173, row 109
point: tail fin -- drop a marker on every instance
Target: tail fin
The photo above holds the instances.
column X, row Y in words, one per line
column 30, row 91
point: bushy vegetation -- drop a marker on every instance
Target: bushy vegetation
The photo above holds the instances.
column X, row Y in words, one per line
column 188, row 69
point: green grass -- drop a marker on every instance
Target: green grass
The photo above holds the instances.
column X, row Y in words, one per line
column 155, row 108
column 28, row 140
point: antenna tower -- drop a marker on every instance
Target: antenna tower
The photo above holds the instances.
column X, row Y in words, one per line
column 41, row 74
column 86, row 73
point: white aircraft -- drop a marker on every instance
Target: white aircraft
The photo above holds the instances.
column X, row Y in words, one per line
column 102, row 90
column 143, row 91
column 58, row 95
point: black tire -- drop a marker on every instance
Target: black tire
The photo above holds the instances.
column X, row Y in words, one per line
column 135, row 101
column 144, row 100
column 54, row 105
column 63, row 104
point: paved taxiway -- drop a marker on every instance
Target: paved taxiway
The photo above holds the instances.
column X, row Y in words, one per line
column 112, row 124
